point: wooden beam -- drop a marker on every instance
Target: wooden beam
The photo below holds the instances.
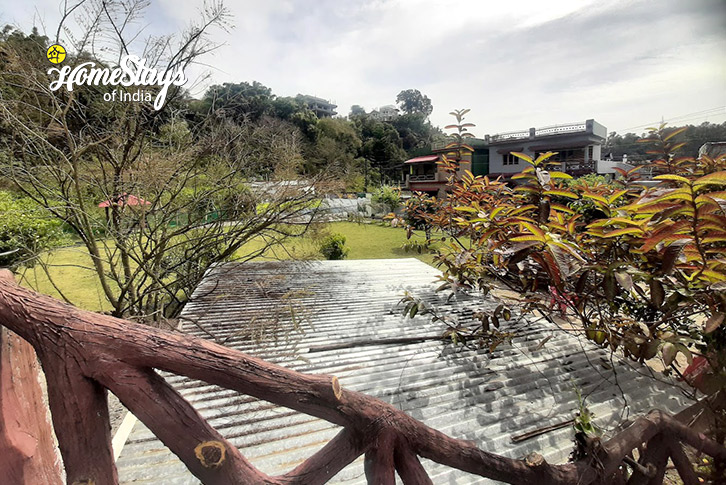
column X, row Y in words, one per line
column 379, row 464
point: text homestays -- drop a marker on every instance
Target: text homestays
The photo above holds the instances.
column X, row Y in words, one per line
column 132, row 71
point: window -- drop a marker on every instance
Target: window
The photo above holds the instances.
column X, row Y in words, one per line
column 564, row 155
column 589, row 152
column 510, row 159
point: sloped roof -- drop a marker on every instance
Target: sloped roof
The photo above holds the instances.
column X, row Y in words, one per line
column 124, row 199
column 344, row 311
column 423, row 159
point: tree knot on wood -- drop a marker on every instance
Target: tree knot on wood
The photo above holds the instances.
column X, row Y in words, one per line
column 534, row 460
column 211, row 454
column 337, row 388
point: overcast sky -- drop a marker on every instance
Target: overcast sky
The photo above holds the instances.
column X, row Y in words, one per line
column 515, row 63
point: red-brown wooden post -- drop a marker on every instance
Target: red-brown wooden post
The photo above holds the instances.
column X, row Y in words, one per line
column 27, row 452
column 379, row 466
column 409, row 467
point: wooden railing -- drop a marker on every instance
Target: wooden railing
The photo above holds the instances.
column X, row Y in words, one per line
column 83, row 354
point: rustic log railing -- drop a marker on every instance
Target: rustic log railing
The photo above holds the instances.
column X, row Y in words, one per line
column 83, row 354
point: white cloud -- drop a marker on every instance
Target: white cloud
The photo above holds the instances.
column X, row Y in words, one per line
column 516, row 64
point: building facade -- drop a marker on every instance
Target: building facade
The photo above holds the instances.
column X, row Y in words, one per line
column 578, row 146
column 385, row 113
column 321, row 107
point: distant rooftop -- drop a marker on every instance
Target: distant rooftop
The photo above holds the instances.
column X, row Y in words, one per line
column 586, row 127
column 321, row 107
column 344, row 312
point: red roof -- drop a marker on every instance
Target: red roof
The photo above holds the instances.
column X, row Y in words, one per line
column 124, row 199
column 426, row 158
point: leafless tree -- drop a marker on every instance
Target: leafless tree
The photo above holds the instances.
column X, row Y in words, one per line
column 177, row 198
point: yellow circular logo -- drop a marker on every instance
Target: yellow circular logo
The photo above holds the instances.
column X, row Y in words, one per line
column 56, row 53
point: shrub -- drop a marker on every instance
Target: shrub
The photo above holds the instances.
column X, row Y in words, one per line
column 389, row 197
column 642, row 271
column 333, row 247
column 588, row 184
column 25, row 230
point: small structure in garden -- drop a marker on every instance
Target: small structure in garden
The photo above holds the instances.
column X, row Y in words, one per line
column 125, row 200
column 344, row 318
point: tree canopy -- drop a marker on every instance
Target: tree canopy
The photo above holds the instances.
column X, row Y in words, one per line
column 411, row 101
column 693, row 138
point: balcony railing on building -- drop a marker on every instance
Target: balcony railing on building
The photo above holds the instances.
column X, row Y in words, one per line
column 560, row 129
column 510, row 135
column 579, row 166
column 426, row 177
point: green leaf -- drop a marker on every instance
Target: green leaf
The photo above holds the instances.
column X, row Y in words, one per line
column 543, row 157
column 712, row 276
column 524, row 157
column 676, row 194
column 674, row 178
column 717, row 178
column 561, row 193
column 674, row 133
column 596, row 197
column 526, row 238
column 560, row 175
column 684, row 350
column 623, row 231
column 669, row 352
column 534, row 230
column 617, row 195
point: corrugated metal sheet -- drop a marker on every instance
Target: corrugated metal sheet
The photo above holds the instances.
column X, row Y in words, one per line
column 304, row 307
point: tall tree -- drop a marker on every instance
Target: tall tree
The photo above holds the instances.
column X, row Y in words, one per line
column 693, row 137
column 335, row 148
column 381, row 147
column 239, row 100
column 357, row 110
column 415, row 131
column 411, row 101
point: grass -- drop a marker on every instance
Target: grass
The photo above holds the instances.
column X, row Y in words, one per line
column 71, row 270
column 365, row 241
column 70, row 267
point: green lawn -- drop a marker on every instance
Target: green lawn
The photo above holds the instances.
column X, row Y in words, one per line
column 70, row 267
column 365, row 241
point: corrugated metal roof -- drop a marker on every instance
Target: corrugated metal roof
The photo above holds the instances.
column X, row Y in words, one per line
column 475, row 395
